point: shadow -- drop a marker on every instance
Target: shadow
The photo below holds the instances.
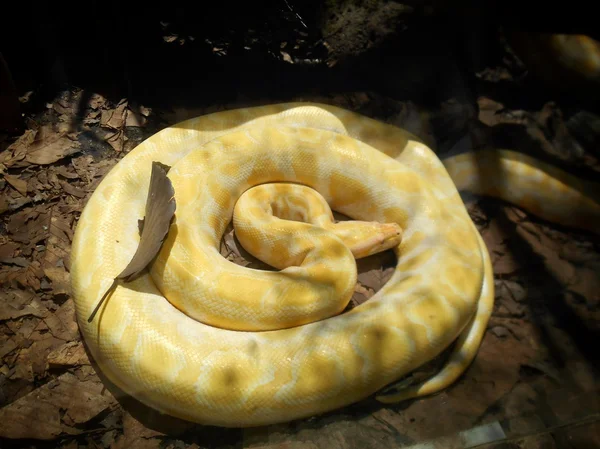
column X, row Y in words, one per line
column 561, row 314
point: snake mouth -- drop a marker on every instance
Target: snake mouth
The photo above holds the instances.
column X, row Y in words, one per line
column 384, row 236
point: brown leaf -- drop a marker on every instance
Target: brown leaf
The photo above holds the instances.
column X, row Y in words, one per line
column 116, row 140
column 10, row 312
column 7, row 347
column 4, row 204
column 69, row 354
column 31, row 362
column 66, row 173
column 160, row 208
column 92, row 118
column 16, row 152
column 136, row 435
column 58, row 248
column 134, row 118
column 7, row 251
column 38, row 414
column 50, row 146
column 372, row 274
column 29, row 226
column 62, row 323
column 114, row 118
column 96, row 101
column 19, row 184
column 18, row 261
column 72, row 190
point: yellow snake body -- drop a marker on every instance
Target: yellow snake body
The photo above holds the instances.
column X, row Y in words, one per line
column 201, row 338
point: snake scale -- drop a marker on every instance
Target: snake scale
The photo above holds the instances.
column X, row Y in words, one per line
column 237, row 347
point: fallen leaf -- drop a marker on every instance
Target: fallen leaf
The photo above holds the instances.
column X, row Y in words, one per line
column 66, row 173
column 160, row 208
column 136, row 435
column 72, row 190
column 135, row 118
column 374, row 271
column 96, row 101
column 16, row 152
column 7, row 347
column 18, row 261
column 30, row 276
column 58, row 248
column 29, row 226
column 50, row 146
column 38, row 414
column 116, row 140
column 70, row 354
column 7, row 251
column 63, row 107
column 18, row 303
column 19, row 184
column 62, row 323
column 93, row 118
column 114, row 118
column 10, row 312
column 4, row 204
column 31, row 362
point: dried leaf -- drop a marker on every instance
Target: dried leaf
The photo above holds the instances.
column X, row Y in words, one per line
column 50, row 146
column 29, row 226
column 58, row 248
column 286, row 57
column 7, row 251
column 374, row 271
column 96, row 101
column 18, row 303
column 16, row 152
column 160, row 208
column 66, row 173
column 19, row 184
column 18, row 261
column 7, row 347
column 114, row 118
column 62, row 323
column 69, row 354
column 136, row 435
column 4, row 204
column 38, row 414
column 72, row 190
column 116, row 140
column 135, row 118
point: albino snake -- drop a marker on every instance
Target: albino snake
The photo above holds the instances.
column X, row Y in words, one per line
column 214, row 373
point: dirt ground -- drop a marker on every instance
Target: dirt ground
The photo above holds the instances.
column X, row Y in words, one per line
column 534, row 383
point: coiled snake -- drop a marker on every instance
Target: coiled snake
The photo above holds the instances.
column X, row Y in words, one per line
column 203, row 355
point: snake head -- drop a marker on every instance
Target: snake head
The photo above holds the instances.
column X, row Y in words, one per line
column 365, row 238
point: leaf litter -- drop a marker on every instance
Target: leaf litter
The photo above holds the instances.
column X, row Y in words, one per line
column 50, row 391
